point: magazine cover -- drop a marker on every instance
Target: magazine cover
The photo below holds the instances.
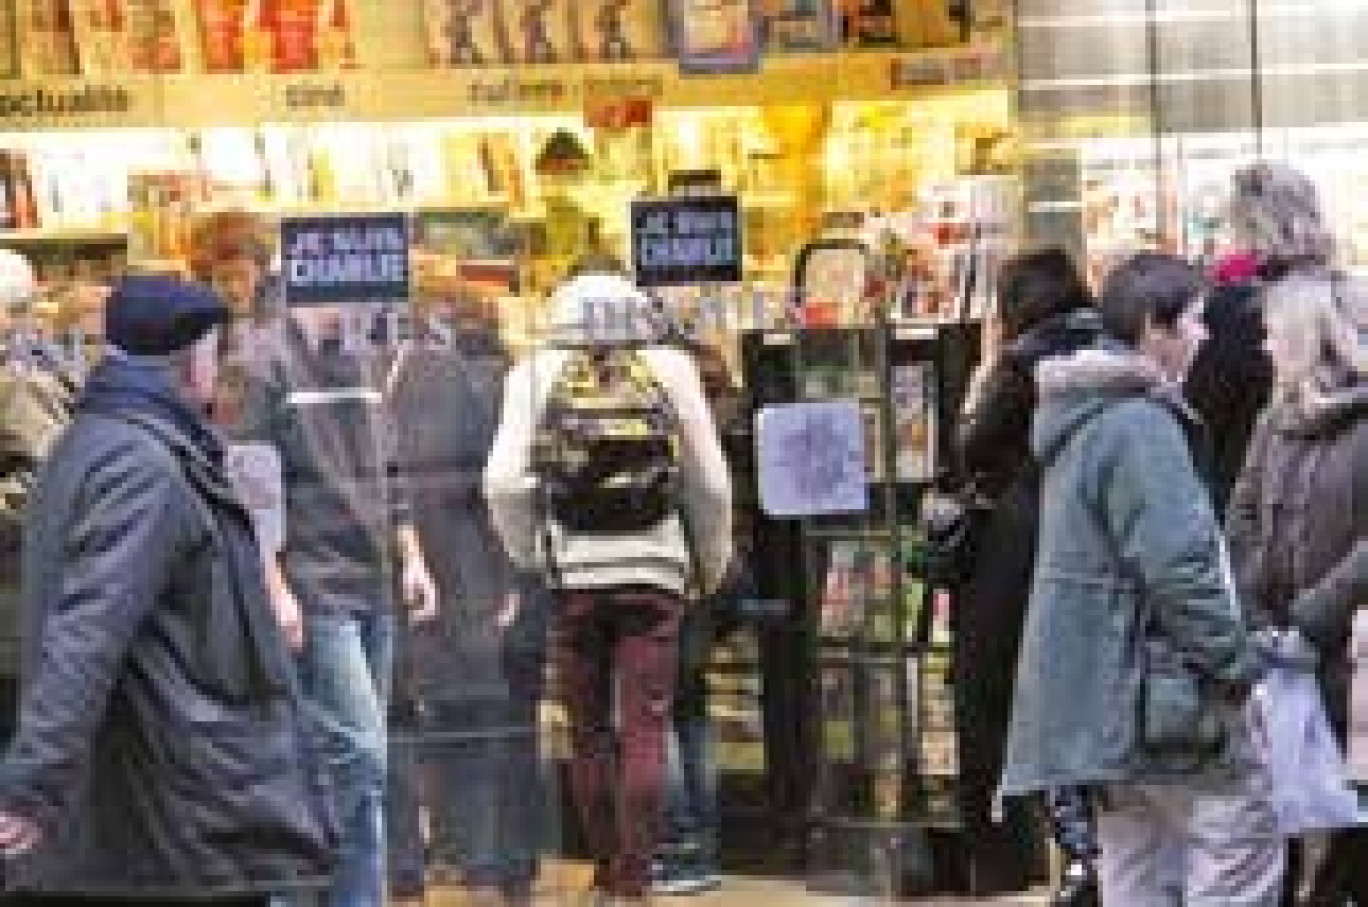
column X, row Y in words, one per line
column 47, row 39
column 914, row 407
column 618, row 30
column 538, row 31
column 797, row 25
column 839, row 598
column 462, row 32
column 714, row 36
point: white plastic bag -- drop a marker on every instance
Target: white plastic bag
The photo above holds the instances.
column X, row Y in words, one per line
column 1310, row 781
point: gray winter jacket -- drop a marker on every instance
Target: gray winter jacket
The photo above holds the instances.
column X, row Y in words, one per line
column 1131, row 562
column 163, row 746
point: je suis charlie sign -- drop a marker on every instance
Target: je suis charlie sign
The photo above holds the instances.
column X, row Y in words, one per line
column 686, row 240
column 345, row 259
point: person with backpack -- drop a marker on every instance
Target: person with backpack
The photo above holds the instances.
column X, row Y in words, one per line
column 607, row 475
column 1137, row 663
column 164, row 753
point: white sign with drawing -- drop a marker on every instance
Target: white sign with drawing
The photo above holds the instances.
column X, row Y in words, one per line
column 259, row 479
column 811, row 459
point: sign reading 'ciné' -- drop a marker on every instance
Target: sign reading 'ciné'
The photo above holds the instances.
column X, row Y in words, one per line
column 359, row 258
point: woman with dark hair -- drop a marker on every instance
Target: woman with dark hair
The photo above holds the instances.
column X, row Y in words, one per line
column 1044, row 310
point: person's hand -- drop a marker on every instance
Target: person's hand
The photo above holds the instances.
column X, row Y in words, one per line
column 17, row 835
column 993, row 340
column 289, row 616
column 420, row 592
column 1286, row 648
column 509, row 612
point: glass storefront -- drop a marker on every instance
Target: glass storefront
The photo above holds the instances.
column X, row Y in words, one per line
column 1136, row 113
column 869, row 152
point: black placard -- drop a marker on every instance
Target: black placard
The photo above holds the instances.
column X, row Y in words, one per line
column 683, row 241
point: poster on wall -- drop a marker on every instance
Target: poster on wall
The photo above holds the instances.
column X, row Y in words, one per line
column 360, row 258
column 686, row 240
column 788, row 26
column 714, row 36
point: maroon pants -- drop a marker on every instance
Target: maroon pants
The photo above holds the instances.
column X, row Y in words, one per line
column 617, row 774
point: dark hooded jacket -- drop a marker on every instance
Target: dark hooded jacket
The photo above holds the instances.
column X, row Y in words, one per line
column 1298, row 518
column 163, row 747
column 994, row 447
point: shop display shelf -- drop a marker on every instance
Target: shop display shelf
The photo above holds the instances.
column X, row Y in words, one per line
column 74, row 236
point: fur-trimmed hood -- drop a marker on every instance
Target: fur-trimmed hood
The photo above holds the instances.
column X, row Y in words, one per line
column 1073, row 389
column 1319, row 408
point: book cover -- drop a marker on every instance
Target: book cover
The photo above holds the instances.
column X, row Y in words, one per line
column 538, row 31
column 797, row 25
column 336, row 46
column 47, row 38
column 9, row 41
column 156, row 36
column 222, row 37
column 869, row 23
column 462, row 32
column 619, row 30
column 102, row 37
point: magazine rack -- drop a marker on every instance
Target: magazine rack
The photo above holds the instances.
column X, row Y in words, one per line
column 874, row 710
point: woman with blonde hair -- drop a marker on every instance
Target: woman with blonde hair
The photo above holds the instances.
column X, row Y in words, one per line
column 1301, row 503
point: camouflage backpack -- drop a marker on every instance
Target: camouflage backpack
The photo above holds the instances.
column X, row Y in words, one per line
column 607, row 447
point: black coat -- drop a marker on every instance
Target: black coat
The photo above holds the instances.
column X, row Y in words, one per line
column 163, row 747
column 993, row 442
column 1230, row 381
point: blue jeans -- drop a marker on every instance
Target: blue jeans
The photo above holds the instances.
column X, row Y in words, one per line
column 345, row 668
column 691, row 806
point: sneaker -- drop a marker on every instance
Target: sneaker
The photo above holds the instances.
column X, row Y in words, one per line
column 1078, row 887
column 678, row 876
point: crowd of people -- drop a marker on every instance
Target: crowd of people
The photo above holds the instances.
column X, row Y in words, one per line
column 1174, row 465
column 346, row 713
column 1171, row 464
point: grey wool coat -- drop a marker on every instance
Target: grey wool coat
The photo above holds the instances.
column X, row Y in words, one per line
column 1131, row 557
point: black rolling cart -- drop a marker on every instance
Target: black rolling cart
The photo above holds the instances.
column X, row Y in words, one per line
column 865, row 707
